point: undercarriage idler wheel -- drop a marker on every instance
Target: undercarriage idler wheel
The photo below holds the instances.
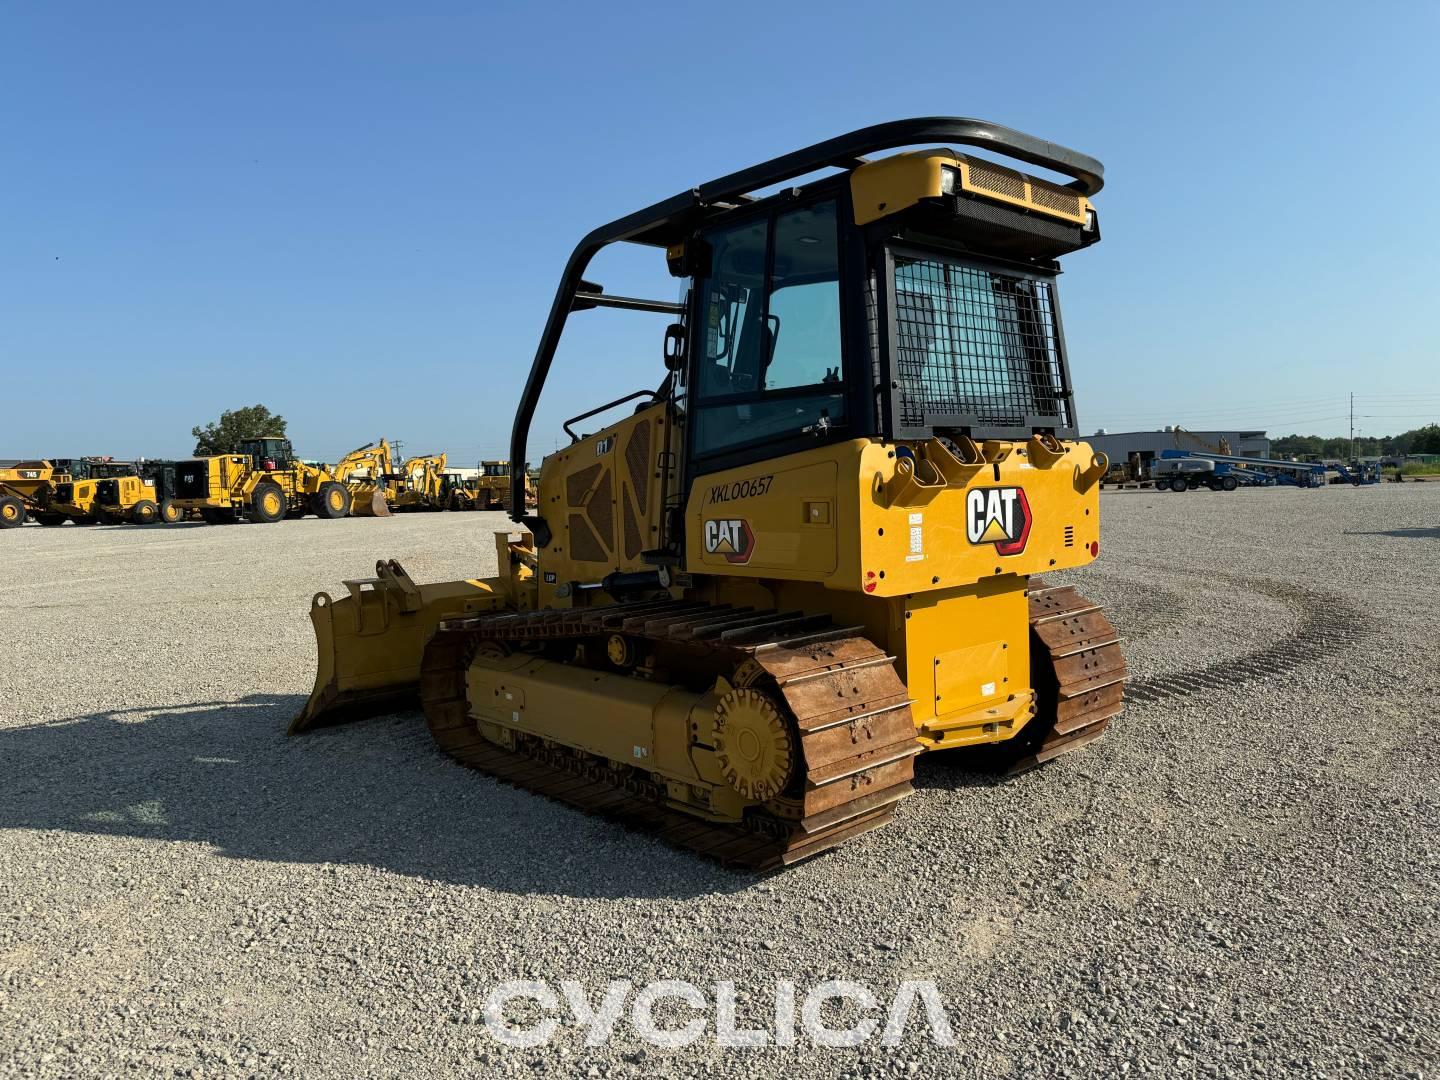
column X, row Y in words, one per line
column 622, row 651
column 332, row 500
column 753, row 744
column 12, row 512
column 267, row 503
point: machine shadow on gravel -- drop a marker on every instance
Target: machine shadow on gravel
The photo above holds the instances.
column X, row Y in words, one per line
column 952, row 772
column 225, row 774
column 1420, row 533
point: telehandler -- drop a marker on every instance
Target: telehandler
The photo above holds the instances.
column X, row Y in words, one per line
column 264, row 482
column 739, row 612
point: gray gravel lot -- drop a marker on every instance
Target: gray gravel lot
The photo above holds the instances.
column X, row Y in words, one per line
column 1241, row 879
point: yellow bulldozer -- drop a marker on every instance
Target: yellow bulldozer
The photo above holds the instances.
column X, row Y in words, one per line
column 741, row 610
column 263, row 482
column 493, row 487
column 367, row 473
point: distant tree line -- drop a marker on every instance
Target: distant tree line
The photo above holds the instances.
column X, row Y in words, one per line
column 1424, row 440
column 234, row 427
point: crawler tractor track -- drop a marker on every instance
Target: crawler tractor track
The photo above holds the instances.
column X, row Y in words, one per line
column 1079, row 674
column 847, row 706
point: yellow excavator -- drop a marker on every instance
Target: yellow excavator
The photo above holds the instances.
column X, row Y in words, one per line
column 366, row 473
column 741, row 610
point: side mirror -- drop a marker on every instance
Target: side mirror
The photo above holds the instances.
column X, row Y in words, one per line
column 676, row 341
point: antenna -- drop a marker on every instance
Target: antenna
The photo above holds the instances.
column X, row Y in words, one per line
column 1352, row 425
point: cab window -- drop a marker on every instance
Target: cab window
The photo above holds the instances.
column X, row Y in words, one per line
column 770, row 363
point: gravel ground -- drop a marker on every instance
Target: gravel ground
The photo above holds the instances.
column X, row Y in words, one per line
column 1239, row 880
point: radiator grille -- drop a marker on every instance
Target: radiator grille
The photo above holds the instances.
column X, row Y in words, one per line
column 633, row 545
column 637, row 461
column 584, row 547
column 192, row 479
column 577, row 485
column 976, row 346
column 601, row 510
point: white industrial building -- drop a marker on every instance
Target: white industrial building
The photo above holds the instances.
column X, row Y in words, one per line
column 1119, row 447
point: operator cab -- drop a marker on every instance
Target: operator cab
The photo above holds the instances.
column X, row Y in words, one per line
column 905, row 298
column 271, row 454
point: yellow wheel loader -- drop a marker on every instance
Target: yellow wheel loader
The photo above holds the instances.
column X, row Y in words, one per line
column 740, row 611
column 366, row 472
column 75, row 492
column 264, row 482
column 133, row 500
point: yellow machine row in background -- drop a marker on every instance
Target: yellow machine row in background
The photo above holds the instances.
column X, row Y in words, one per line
column 262, row 482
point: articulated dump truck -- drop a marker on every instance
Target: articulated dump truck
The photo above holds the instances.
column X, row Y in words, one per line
column 740, row 611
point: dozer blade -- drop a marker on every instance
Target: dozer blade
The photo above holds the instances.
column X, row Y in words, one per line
column 369, row 644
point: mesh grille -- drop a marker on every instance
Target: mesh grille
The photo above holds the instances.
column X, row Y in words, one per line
column 578, row 484
column 584, row 547
column 64, row 492
column 601, row 509
column 994, row 178
column 632, row 534
column 976, row 346
column 1056, row 198
column 637, row 460
column 108, row 492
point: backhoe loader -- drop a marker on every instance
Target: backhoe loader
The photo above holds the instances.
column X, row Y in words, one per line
column 421, row 484
column 740, row 611
column 264, row 482
column 366, row 472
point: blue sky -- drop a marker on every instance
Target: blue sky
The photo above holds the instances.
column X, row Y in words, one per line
column 357, row 213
